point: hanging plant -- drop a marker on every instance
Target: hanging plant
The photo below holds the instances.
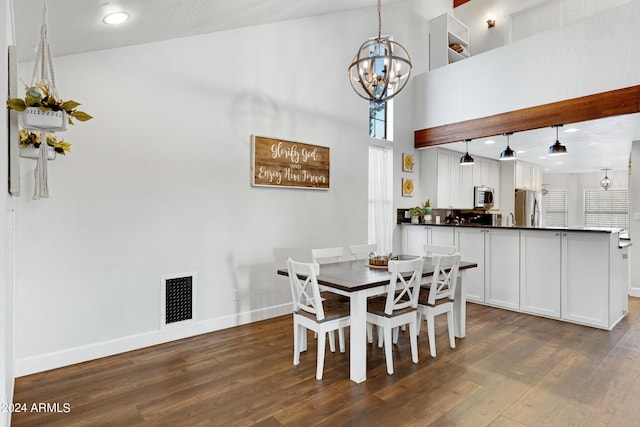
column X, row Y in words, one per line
column 40, row 97
column 30, row 139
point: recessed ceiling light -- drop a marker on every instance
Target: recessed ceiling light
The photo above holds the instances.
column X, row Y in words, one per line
column 559, row 163
column 116, row 18
column 569, row 130
column 542, row 157
column 520, row 151
column 489, row 142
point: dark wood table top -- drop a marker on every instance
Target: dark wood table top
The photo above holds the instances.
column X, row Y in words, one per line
column 352, row 276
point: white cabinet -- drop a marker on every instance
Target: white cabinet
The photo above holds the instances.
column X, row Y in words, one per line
column 496, row 279
column 585, row 278
column 414, row 237
column 448, row 41
column 502, row 271
column 470, row 242
column 540, row 262
column 447, row 184
column 528, row 176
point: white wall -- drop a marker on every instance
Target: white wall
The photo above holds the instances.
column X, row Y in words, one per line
column 634, row 224
column 575, row 184
column 572, row 61
column 6, row 237
column 159, row 181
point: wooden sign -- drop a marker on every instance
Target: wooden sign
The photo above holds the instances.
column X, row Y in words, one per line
column 279, row 163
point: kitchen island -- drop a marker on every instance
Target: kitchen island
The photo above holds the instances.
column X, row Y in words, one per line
column 578, row 275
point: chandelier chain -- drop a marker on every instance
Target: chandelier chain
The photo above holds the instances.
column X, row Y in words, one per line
column 379, row 18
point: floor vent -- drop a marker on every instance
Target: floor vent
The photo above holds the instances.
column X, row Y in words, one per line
column 178, row 299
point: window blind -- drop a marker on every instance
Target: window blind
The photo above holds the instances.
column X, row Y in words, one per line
column 556, row 212
column 606, row 208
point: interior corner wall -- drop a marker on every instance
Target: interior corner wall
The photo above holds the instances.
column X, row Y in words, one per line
column 634, row 223
column 158, row 182
column 6, row 236
column 578, row 59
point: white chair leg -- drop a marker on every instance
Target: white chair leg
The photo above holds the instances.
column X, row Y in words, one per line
column 297, row 337
column 396, row 333
column 321, row 344
column 388, row 356
column 432, row 335
column 332, row 342
column 341, row 339
column 452, row 338
column 303, row 338
column 413, row 338
column 380, row 337
column 369, row 333
column 418, row 322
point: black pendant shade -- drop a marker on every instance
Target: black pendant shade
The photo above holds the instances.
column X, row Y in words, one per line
column 508, row 153
column 557, row 149
column 466, row 158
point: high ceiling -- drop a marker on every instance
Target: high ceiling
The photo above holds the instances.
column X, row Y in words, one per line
column 75, row 26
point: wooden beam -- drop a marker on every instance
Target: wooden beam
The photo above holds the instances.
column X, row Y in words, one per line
column 605, row 104
column 457, row 3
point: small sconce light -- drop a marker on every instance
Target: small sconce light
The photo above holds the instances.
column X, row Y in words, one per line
column 491, row 22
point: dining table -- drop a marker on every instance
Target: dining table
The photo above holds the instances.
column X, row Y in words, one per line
column 358, row 280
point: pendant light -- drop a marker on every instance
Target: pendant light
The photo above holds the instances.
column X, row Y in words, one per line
column 557, row 149
column 508, row 153
column 606, row 182
column 381, row 68
column 466, row 159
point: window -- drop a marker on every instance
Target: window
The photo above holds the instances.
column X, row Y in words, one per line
column 378, row 120
column 556, row 212
column 606, row 208
column 381, row 221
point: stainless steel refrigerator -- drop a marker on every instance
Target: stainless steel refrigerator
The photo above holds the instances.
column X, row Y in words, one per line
column 528, row 206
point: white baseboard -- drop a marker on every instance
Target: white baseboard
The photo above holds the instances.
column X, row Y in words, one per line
column 634, row 292
column 71, row 356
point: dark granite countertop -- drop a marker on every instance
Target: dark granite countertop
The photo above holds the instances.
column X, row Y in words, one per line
column 520, row 227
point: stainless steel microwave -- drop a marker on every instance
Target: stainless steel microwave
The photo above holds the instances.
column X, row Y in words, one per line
column 483, row 197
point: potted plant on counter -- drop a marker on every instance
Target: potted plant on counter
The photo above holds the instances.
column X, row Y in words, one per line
column 415, row 213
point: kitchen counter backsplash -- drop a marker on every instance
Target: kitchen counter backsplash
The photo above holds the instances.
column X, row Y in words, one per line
column 450, row 217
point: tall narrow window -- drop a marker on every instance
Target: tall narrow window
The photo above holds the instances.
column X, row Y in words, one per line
column 381, row 120
column 556, row 212
column 606, row 208
column 378, row 120
column 381, row 197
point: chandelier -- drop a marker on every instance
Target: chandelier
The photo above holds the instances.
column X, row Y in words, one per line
column 381, row 68
column 606, row 182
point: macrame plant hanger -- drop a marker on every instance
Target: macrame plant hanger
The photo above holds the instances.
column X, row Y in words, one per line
column 43, row 74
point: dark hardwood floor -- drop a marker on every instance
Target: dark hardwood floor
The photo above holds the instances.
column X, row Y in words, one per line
column 511, row 370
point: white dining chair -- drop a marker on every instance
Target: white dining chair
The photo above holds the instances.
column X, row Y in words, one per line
column 327, row 255
column 440, row 297
column 398, row 307
column 310, row 311
column 362, row 251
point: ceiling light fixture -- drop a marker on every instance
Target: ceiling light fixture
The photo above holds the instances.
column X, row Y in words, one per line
column 116, row 18
column 381, row 68
column 508, row 153
column 466, row 158
column 606, row 182
column 557, row 149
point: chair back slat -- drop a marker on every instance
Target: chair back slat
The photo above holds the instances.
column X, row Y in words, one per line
column 327, row 255
column 403, row 292
column 304, row 287
column 362, row 251
column 431, row 250
column 445, row 277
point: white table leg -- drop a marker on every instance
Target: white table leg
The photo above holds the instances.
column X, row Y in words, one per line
column 460, row 308
column 358, row 337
